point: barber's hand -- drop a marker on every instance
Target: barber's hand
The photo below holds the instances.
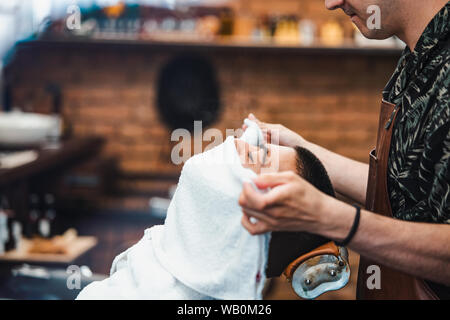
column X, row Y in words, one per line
column 277, row 133
column 291, row 205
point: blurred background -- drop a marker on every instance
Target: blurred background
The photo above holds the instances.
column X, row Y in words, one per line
column 92, row 90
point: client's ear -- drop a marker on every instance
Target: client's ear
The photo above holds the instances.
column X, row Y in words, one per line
column 285, row 247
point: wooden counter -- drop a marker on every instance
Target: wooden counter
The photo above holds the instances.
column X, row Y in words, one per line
column 52, row 159
column 77, row 248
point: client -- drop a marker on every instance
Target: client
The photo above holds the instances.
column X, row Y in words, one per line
column 202, row 251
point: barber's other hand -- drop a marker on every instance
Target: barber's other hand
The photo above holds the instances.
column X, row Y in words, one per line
column 292, row 204
column 277, row 133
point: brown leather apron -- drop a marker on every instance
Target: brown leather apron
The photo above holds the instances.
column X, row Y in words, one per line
column 394, row 284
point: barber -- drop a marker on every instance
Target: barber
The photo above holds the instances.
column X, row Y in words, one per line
column 404, row 228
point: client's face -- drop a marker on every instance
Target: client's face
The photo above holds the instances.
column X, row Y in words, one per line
column 273, row 159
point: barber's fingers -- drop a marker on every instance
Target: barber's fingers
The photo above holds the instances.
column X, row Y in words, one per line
column 259, row 216
column 266, row 128
column 261, row 124
column 254, row 228
column 256, row 200
column 251, row 117
column 271, row 180
column 251, row 198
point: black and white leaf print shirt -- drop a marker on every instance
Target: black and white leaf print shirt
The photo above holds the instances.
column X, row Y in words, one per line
column 419, row 159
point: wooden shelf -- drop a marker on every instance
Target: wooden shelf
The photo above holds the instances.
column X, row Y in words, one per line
column 216, row 45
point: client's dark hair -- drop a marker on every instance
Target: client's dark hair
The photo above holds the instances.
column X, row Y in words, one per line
column 285, row 247
column 313, row 171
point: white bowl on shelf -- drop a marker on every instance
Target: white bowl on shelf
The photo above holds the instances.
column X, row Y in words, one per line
column 22, row 129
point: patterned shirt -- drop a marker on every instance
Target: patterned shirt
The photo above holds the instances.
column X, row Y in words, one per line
column 419, row 159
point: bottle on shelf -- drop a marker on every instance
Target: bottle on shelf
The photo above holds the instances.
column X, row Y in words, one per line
column 13, row 225
column 332, row 34
column 34, row 214
column 46, row 222
column 226, row 22
column 15, row 235
column 307, row 31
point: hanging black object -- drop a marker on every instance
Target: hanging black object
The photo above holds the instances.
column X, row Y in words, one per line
column 188, row 92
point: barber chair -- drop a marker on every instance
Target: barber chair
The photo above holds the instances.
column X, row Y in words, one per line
column 310, row 263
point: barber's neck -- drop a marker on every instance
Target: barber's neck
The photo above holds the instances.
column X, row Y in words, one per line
column 415, row 16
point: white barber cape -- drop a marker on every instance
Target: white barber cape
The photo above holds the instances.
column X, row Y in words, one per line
column 202, row 251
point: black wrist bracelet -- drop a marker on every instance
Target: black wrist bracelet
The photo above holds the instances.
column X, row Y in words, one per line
column 353, row 230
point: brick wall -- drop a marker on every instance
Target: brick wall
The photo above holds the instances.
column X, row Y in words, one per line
column 332, row 100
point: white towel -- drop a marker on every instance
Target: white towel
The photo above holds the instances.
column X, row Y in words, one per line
column 137, row 274
column 202, row 251
column 204, row 244
column 253, row 135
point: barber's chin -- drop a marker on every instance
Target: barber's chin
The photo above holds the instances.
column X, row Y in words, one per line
column 377, row 34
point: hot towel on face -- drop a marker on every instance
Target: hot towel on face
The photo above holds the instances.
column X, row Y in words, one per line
column 202, row 251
